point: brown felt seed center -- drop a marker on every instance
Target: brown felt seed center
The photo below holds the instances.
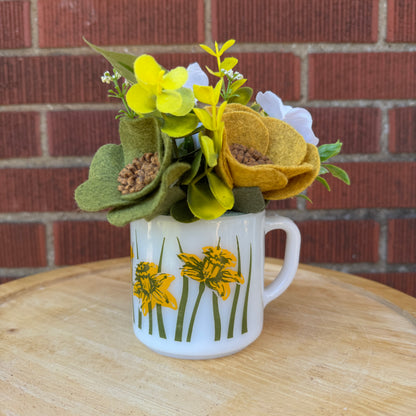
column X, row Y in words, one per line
column 139, row 173
column 248, row 155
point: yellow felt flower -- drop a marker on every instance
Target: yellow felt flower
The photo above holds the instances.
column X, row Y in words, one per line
column 295, row 163
column 214, row 270
column 152, row 287
column 158, row 89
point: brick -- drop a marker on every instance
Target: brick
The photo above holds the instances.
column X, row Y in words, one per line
column 373, row 185
column 350, row 76
column 52, row 79
column 15, row 28
column 278, row 72
column 281, row 205
column 295, row 21
column 402, row 240
column 401, row 18
column 125, row 22
column 331, row 242
column 358, row 129
column 405, row 282
column 79, row 133
column 22, row 245
column 19, row 135
column 39, row 189
column 84, row 241
column 402, row 132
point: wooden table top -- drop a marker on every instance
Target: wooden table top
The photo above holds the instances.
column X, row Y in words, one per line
column 332, row 344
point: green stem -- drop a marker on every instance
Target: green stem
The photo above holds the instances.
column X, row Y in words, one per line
column 139, row 312
column 217, row 317
column 182, row 303
column 198, row 300
column 245, row 310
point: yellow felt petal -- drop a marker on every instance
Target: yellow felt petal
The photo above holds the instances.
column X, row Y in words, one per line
column 247, row 129
column 286, row 146
column 140, row 99
column 299, row 183
column 187, row 100
column 147, row 69
column 169, row 102
column 175, row 78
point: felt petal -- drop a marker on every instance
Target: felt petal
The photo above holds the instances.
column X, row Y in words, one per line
column 97, row 194
column 196, row 76
column 188, row 101
column 169, row 102
column 248, row 200
column 175, row 78
column 157, row 203
column 272, row 104
column 141, row 99
column 139, row 136
column 300, row 182
column 107, row 162
column 147, row 69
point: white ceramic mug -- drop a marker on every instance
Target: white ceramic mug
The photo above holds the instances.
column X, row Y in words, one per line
column 198, row 288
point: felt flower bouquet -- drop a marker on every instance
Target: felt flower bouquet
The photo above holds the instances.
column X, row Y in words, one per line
column 193, row 150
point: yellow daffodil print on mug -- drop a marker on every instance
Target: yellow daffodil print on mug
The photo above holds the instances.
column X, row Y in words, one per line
column 151, row 287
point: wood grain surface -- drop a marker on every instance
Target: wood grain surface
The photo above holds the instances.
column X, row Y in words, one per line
column 332, row 344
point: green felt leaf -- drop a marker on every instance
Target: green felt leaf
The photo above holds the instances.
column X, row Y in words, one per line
column 207, row 146
column 326, row 151
column 202, row 202
column 323, row 182
column 107, row 162
column 181, row 212
column 196, row 163
column 97, row 194
column 156, row 203
column 179, row 126
column 222, row 193
column 139, row 136
column 248, row 199
column 242, row 96
column 122, row 62
column 339, row 173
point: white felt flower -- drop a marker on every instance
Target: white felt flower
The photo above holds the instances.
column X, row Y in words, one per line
column 299, row 118
column 196, row 76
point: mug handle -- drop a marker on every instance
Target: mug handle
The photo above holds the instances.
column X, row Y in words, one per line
column 291, row 259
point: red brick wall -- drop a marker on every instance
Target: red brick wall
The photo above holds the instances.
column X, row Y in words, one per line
column 350, row 62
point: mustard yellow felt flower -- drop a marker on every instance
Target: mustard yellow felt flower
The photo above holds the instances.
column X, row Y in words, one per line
column 214, row 270
column 152, row 287
column 158, row 89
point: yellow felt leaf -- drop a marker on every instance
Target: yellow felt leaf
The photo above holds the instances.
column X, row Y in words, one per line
column 226, row 46
column 147, row 69
column 229, row 63
column 175, row 78
column 220, row 111
column 216, row 74
column 202, row 202
column 207, row 49
column 204, row 94
column 237, row 84
column 140, row 99
column 179, row 126
column 222, row 193
column 207, row 146
column 204, row 117
column 188, row 101
column 217, row 92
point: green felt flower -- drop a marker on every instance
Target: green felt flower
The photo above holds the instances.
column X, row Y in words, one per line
column 100, row 191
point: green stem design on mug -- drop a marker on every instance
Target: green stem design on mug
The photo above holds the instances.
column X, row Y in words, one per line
column 192, row 321
column 161, row 326
column 217, row 317
column 150, row 321
column 245, row 310
column 182, row 303
column 236, row 294
column 139, row 312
